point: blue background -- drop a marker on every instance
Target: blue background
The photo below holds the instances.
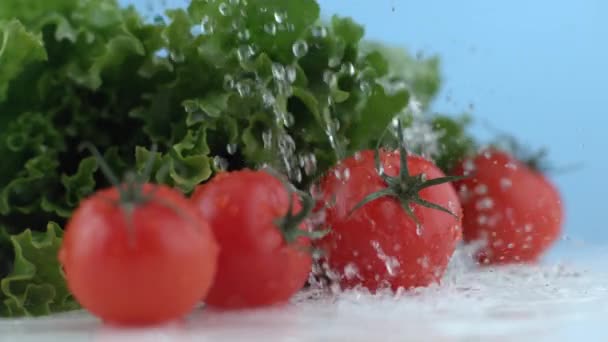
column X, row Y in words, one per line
column 533, row 68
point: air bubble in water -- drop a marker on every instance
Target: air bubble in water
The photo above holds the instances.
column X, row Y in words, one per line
column 300, row 49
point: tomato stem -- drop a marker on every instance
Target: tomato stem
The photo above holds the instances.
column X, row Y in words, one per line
column 289, row 225
column 405, row 188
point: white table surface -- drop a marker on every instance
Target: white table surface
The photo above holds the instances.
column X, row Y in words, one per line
column 552, row 302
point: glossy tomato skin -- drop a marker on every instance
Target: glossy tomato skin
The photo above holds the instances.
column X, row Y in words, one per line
column 256, row 265
column 152, row 271
column 379, row 245
column 515, row 210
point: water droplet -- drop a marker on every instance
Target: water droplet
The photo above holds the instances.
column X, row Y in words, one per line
column 288, row 119
column 244, row 89
column 270, row 28
column 268, row 99
column 528, row 228
column 468, row 166
column 329, row 77
column 278, row 71
column 224, row 9
column 358, row 156
column 424, row 262
column 334, row 61
column 291, row 73
column 484, row 204
column 220, row 163
column 319, row 32
column 338, row 174
column 366, row 88
column 231, row 148
column 280, row 17
column 481, row 189
column 267, row 139
column 309, row 163
column 511, row 166
column 300, row 49
column 419, row 230
column 244, row 35
column 497, row 243
column 391, row 263
column 286, row 143
column 511, row 245
column 346, row 173
column 235, row 2
column 505, row 183
column 177, row 57
column 348, row 69
column 245, row 52
column 228, row 82
column 351, row 271
column 207, row 26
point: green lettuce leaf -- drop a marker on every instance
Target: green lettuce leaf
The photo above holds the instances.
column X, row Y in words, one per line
column 35, row 285
column 215, row 85
column 18, row 49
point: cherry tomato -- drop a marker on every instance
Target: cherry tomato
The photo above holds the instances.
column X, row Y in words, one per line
column 514, row 209
column 138, row 262
column 380, row 244
column 263, row 259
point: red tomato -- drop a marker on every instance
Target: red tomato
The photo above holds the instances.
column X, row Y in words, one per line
column 151, row 268
column 515, row 209
column 379, row 244
column 257, row 265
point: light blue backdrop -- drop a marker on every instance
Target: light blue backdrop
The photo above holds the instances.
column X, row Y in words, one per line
column 534, row 68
